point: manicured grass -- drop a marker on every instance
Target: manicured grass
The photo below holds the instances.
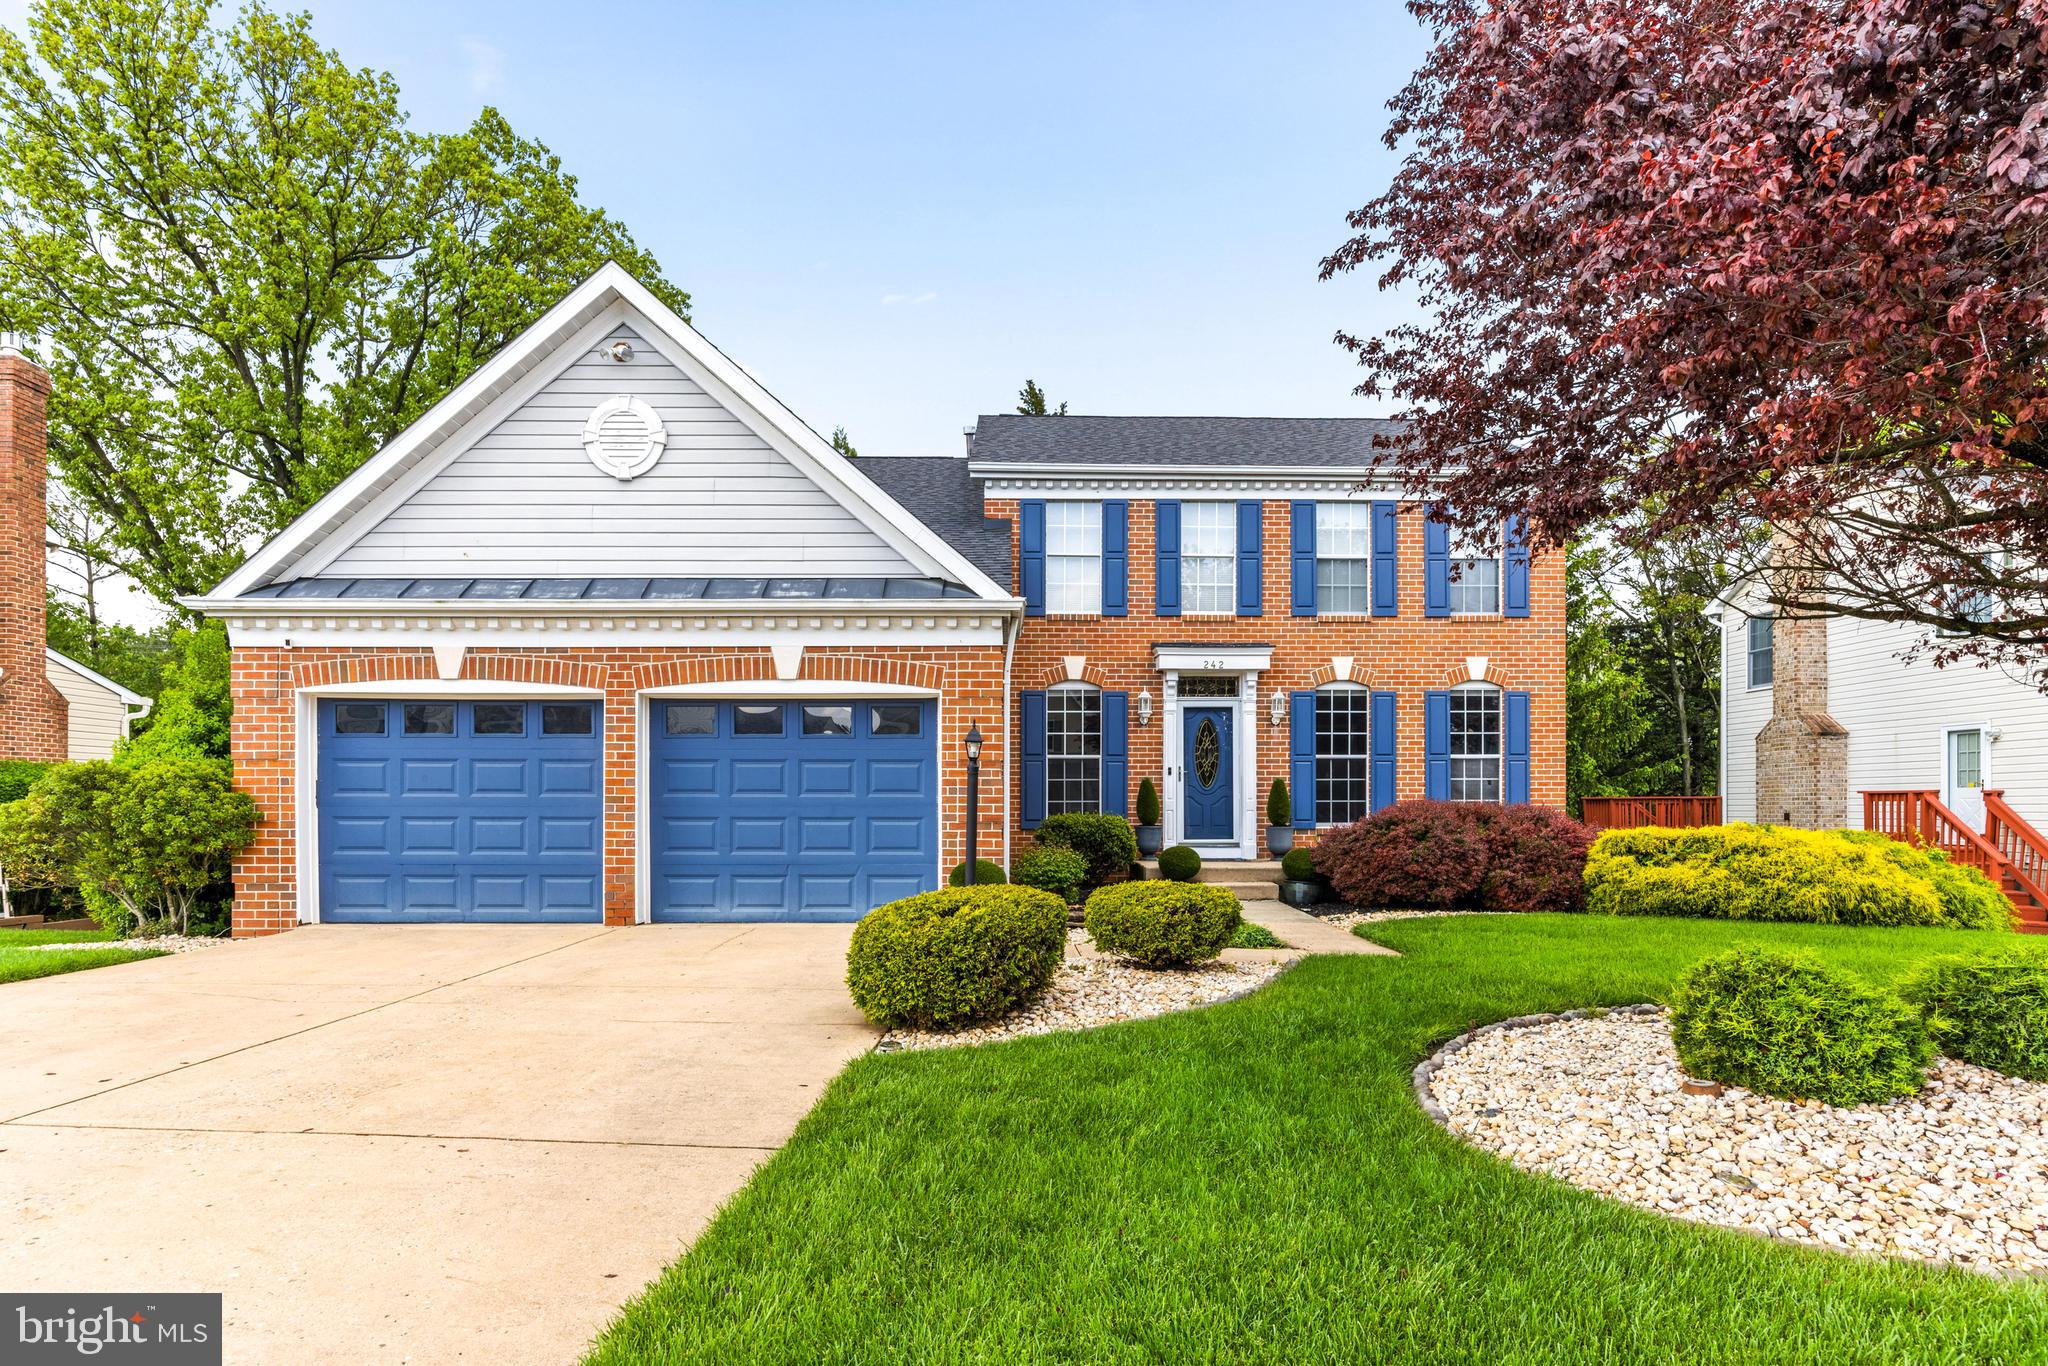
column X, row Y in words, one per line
column 19, row 965
column 15, row 939
column 1251, row 936
column 1254, row 1183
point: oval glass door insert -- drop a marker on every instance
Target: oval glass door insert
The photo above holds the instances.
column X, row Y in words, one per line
column 1208, row 752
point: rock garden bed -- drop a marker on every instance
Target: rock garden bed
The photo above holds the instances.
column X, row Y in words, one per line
column 1956, row 1174
column 166, row 943
column 1089, row 990
column 1344, row 917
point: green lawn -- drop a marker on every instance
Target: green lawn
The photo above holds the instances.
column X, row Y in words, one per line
column 14, row 939
column 19, row 965
column 1254, row 1183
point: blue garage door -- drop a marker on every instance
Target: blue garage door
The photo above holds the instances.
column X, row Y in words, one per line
column 791, row 810
column 443, row 810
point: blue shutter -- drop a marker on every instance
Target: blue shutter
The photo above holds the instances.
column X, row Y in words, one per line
column 1515, row 769
column 1436, row 568
column 1302, row 554
column 1116, row 558
column 1251, row 558
column 1436, row 746
column 1116, row 753
column 1166, row 541
column 1386, row 532
column 1301, row 758
column 1385, row 733
column 1034, row 759
column 1031, row 555
column 1514, row 569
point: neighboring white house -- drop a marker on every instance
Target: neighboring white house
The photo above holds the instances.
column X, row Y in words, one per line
column 1953, row 730
column 100, row 713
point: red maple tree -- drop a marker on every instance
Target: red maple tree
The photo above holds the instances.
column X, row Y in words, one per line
column 1740, row 261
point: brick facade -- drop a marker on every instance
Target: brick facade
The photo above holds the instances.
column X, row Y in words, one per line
column 33, row 714
column 268, row 681
column 1409, row 654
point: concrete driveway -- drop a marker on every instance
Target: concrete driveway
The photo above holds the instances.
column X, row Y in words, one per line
column 408, row 1143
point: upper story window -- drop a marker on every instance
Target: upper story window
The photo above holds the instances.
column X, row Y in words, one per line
column 1343, row 755
column 1208, row 557
column 1073, row 558
column 1073, row 749
column 1760, row 652
column 1343, row 557
column 1475, row 743
column 1475, row 576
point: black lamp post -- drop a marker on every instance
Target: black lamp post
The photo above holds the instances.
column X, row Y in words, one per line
column 973, row 743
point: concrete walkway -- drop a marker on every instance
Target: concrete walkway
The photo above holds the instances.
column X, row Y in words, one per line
column 1304, row 931
column 408, row 1143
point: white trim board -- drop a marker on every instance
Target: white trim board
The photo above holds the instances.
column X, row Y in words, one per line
column 607, row 299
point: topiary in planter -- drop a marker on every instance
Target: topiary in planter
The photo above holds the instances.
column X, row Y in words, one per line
column 1148, row 803
column 1180, row 864
column 1785, row 1024
column 1298, row 865
column 948, row 958
column 1163, row 924
column 1988, row 1008
column 1053, row 869
column 1103, row 839
column 1279, row 811
column 988, row 873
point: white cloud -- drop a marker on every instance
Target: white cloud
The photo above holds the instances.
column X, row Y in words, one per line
column 924, row 298
column 486, row 63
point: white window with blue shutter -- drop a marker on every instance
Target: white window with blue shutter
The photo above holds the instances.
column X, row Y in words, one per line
column 1386, row 540
column 1208, row 558
column 1301, row 557
column 1073, row 558
column 1075, row 751
column 1116, row 558
column 1166, row 563
column 1031, row 555
column 1251, row 561
column 1476, row 744
column 1341, row 745
column 1514, row 569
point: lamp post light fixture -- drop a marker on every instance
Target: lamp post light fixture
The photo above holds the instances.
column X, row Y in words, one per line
column 973, row 743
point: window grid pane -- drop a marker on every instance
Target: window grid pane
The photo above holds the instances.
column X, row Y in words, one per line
column 1341, row 585
column 1208, row 557
column 691, row 718
column 1475, row 586
column 1475, row 744
column 1343, row 755
column 1760, row 652
column 1073, row 751
column 1073, row 558
column 430, row 718
column 498, row 718
column 359, row 718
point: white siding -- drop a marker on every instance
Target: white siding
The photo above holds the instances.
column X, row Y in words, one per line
column 1744, row 710
column 1897, row 714
column 98, row 718
column 524, row 500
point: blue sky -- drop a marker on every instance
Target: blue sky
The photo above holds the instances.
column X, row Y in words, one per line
column 892, row 213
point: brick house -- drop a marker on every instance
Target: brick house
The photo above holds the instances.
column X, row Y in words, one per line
column 610, row 633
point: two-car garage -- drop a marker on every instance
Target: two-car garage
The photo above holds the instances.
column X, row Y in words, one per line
column 433, row 809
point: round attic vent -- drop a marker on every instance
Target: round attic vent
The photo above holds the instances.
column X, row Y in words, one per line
column 624, row 437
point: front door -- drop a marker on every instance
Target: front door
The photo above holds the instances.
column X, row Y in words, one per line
column 1965, row 775
column 1206, row 764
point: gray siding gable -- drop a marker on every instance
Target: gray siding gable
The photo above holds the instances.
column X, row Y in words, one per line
column 523, row 499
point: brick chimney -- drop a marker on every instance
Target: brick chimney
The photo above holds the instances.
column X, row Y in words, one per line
column 1802, row 753
column 33, row 714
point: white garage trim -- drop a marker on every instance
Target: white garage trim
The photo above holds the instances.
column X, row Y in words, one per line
column 769, row 690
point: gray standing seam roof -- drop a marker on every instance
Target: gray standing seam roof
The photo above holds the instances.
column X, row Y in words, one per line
column 1310, row 442
column 610, row 590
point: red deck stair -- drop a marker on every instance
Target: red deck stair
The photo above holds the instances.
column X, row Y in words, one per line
column 2010, row 851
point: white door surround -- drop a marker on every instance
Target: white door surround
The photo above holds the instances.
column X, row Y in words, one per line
column 1958, row 792
column 1244, row 663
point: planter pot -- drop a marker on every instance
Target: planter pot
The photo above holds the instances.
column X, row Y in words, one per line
column 1279, row 838
column 1150, row 837
column 1301, row 895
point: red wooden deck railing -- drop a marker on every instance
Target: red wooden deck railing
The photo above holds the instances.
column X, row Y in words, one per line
column 1621, row 813
column 2011, row 852
column 2017, row 842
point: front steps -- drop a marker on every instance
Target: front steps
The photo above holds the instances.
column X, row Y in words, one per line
column 1250, row 879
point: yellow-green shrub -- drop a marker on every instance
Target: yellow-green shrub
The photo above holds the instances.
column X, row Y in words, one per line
column 955, row 956
column 1764, row 872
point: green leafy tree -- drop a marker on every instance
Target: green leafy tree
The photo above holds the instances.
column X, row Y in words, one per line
column 194, row 707
column 1031, row 402
column 142, row 842
column 1608, row 718
column 245, row 271
column 843, row 444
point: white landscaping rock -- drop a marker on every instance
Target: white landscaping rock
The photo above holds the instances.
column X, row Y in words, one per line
column 1957, row 1174
column 169, row 943
column 1087, row 992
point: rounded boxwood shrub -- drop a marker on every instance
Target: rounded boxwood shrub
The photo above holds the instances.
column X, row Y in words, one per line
column 1988, row 1008
column 1054, row 869
column 1458, row 856
column 1298, row 865
column 1180, row 864
column 952, row 957
column 988, row 872
column 1767, row 872
column 1163, row 924
column 1105, row 840
column 1785, row 1024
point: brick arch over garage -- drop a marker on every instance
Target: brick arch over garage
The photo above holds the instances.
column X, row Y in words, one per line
column 741, row 666
column 533, row 668
column 376, row 668
column 838, row 668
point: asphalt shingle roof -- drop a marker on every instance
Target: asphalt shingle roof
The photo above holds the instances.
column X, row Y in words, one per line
column 1310, row 442
column 935, row 489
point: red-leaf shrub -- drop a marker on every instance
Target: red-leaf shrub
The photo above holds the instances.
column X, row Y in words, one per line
column 1459, row 856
